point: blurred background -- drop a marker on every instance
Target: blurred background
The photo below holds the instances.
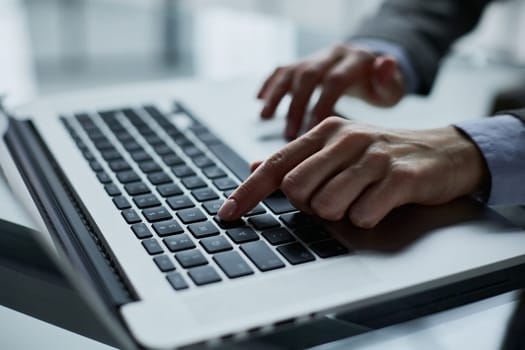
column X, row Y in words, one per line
column 51, row 46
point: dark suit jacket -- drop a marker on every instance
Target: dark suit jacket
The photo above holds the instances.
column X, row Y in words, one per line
column 425, row 29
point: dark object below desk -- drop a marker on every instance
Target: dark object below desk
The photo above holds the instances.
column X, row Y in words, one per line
column 32, row 284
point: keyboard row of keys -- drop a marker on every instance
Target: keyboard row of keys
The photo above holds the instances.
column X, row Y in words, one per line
column 210, row 238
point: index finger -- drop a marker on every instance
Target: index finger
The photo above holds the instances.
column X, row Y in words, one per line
column 267, row 177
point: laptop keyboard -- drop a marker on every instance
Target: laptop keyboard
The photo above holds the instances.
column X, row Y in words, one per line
column 168, row 186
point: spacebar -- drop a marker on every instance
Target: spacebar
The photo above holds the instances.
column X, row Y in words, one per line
column 232, row 160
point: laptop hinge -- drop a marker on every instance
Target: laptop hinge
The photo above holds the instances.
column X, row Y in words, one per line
column 63, row 213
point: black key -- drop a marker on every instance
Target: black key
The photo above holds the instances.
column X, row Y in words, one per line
column 164, row 263
column 213, row 172
column 95, row 166
column 172, row 159
column 193, row 182
column 212, row 207
column 204, row 194
column 278, row 236
column 88, row 155
column 127, row 176
column 228, row 193
column 131, row 216
column 311, row 234
column 202, row 161
column 295, row 253
column 327, row 249
column 173, row 131
column 102, row 144
column 95, row 133
column 191, row 215
column 121, row 202
column 242, row 234
column 146, row 201
column 179, row 242
column 156, row 214
column 262, row 256
column 191, row 258
column 145, row 131
column 84, row 119
column 177, row 281
column 132, row 146
column 140, row 156
column 152, row 139
column 166, row 228
column 192, row 151
column 141, row 231
column 298, row 219
column 204, row 275
column 111, row 154
column 203, row 229
column 180, row 202
column 122, row 135
column 119, row 165
column 162, row 149
column 112, row 190
column 154, row 113
column 181, row 140
column 149, row 166
column 103, row 177
column 152, row 246
column 263, row 222
column 228, row 224
column 182, row 171
column 136, row 188
column 208, row 138
column 168, row 190
column 216, row 244
column 225, row 183
column 232, row 264
column 278, row 203
column 256, row 211
column 159, row 178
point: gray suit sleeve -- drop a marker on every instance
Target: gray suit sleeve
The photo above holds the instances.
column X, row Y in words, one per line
column 425, row 28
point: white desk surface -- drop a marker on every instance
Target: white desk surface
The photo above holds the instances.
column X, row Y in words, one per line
column 479, row 325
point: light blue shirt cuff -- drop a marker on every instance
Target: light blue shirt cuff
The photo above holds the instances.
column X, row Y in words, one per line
column 396, row 51
column 501, row 140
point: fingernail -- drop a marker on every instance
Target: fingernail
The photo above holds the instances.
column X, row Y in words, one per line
column 227, row 209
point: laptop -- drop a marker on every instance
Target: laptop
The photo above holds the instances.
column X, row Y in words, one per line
column 124, row 185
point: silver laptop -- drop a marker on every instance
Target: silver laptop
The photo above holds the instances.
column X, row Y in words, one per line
column 124, row 185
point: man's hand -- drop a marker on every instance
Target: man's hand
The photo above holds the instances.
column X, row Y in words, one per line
column 342, row 70
column 341, row 168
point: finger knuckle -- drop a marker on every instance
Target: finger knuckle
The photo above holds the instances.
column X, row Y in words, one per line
column 330, row 124
column 377, row 156
column 356, row 216
column 293, row 187
column 281, row 69
column 308, row 75
column 326, row 208
column 350, row 138
column 275, row 163
column 404, row 175
column 335, row 79
column 339, row 49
